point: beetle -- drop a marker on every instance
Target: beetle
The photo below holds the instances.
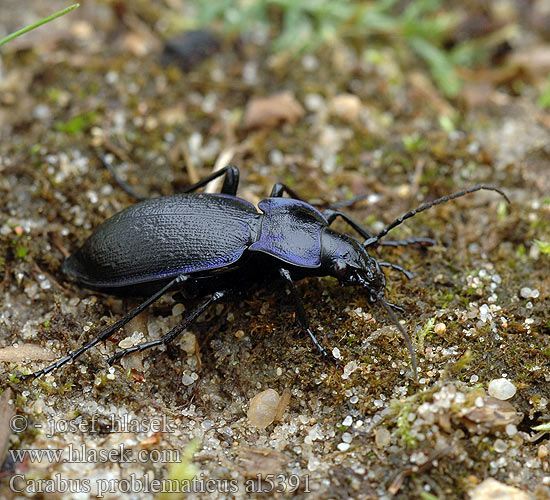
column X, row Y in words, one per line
column 218, row 245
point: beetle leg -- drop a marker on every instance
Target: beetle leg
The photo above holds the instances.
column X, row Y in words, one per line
column 125, row 186
column 331, row 216
column 408, row 274
column 108, row 332
column 396, row 307
column 302, row 317
column 174, row 333
column 424, row 242
column 346, row 203
column 230, row 183
column 280, row 189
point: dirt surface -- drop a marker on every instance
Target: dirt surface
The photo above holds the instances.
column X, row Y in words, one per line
column 355, row 120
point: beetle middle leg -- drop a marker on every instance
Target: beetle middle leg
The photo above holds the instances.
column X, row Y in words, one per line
column 174, row 332
column 230, row 183
column 301, row 315
column 279, row 189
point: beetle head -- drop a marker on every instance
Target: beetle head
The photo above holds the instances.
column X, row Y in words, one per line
column 348, row 261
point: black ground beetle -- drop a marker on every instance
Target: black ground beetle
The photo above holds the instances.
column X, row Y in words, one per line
column 218, row 245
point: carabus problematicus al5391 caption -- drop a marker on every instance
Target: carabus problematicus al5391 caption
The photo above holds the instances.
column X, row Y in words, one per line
column 218, row 245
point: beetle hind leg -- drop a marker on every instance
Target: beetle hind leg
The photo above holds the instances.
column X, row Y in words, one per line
column 108, row 332
column 175, row 332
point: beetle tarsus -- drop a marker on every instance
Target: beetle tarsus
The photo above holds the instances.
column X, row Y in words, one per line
column 327, row 355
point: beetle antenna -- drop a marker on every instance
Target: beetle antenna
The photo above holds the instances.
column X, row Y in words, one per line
column 404, row 334
column 426, row 206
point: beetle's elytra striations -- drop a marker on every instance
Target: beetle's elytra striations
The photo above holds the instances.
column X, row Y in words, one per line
column 218, row 245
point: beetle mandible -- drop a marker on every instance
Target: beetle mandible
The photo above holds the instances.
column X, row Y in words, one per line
column 217, row 245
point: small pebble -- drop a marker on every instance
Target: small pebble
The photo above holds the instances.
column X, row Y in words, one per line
column 542, row 452
column 511, row 430
column 501, row 388
column 343, row 446
column 349, row 369
column 382, row 437
column 347, row 437
column 528, row 293
column 500, row 446
column 263, row 408
column 491, row 489
column 440, row 328
column 347, row 107
column 347, row 421
column 178, row 309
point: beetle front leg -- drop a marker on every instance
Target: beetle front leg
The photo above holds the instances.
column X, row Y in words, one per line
column 175, row 332
column 301, row 315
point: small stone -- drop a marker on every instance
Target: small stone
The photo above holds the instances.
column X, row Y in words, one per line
column 347, row 437
column 347, row 107
column 440, row 328
column 542, row 451
column 187, row 380
column 500, row 445
column 178, row 309
column 349, row 369
column 263, row 408
column 261, row 462
column 347, row 421
column 266, row 112
column 239, row 334
column 382, row 437
column 501, row 388
column 491, row 489
column 188, row 342
column 511, row 430
column 343, row 446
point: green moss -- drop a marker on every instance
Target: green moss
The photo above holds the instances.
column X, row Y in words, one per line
column 78, row 123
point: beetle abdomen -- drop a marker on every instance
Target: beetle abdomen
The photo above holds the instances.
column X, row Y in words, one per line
column 163, row 237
